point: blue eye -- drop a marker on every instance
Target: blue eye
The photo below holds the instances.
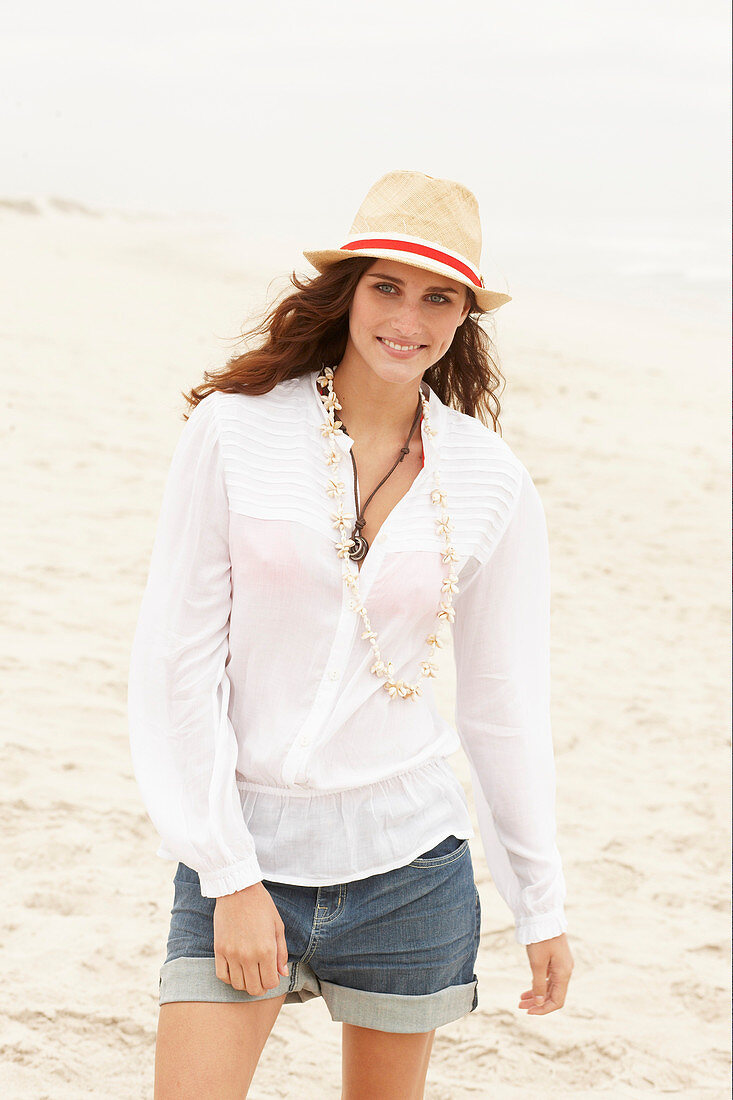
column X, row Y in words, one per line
column 442, row 297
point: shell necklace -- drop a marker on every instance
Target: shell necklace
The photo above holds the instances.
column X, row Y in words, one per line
column 335, row 488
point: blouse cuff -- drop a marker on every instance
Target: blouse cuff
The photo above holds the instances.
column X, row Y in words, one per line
column 545, row 927
column 230, row 879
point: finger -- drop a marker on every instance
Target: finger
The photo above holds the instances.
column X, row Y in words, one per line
column 554, row 998
column 269, row 976
column 529, row 1002
column 542, row 1010
column 558, row 992
column 282, row 951
column 252, row 980
column 237, row 975
column 557, row 989
column 222, row 969
column 541, row 970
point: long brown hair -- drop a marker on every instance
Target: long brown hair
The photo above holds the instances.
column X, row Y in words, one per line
column 308, row 330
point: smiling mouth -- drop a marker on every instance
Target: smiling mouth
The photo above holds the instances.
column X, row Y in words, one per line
column 399, row 347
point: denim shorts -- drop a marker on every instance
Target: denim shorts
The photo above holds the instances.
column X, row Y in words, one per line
column 394, row 951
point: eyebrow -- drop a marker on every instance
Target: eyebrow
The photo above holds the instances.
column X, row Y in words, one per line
column 430, row 289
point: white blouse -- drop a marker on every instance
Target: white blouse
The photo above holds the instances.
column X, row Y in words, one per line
column 263, row 745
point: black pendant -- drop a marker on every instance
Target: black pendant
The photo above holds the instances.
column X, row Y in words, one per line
column 359, row 549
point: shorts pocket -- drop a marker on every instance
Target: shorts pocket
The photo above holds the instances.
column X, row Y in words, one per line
column 452, row 847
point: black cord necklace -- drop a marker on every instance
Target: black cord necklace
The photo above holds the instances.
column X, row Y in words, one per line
column 359, row 550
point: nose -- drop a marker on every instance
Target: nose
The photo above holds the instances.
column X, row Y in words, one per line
column 406, row 323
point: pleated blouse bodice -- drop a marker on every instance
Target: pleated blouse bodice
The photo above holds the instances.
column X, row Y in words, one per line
column 263, row 745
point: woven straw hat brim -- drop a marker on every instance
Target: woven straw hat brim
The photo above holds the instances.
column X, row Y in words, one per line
column 325, row 257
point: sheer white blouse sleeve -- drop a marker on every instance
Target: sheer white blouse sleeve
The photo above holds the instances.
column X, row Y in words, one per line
column 502, row 650
column 183, row 746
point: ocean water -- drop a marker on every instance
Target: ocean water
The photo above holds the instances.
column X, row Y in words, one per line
column 683, row 270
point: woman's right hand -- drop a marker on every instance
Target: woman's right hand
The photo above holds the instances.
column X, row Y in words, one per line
column 249, row 940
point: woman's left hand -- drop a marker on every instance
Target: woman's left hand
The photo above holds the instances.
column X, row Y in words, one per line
column 552, row 965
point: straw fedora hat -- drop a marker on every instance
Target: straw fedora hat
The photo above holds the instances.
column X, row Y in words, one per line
column 419, row 220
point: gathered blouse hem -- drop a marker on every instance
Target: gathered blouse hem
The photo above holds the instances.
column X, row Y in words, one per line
column 390, row 865
column 354, row 832
column 433, row 763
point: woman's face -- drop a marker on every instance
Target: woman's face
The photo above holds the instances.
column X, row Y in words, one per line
column 405, row 305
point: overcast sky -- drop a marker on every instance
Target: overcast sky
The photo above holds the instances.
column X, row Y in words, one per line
column 558, row 116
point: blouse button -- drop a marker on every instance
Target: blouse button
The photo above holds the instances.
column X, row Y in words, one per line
column 381, row 537
column 333, row 674
column 305, row 740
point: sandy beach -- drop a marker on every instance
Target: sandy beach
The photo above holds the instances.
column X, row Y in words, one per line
column 619, row 408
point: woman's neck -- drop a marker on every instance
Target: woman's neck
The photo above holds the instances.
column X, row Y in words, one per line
column 374, row 411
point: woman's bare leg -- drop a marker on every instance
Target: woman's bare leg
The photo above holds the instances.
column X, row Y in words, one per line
column 386, row 1064
column 207, row 1049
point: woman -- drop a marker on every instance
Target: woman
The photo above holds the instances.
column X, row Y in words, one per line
column 335, row 510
